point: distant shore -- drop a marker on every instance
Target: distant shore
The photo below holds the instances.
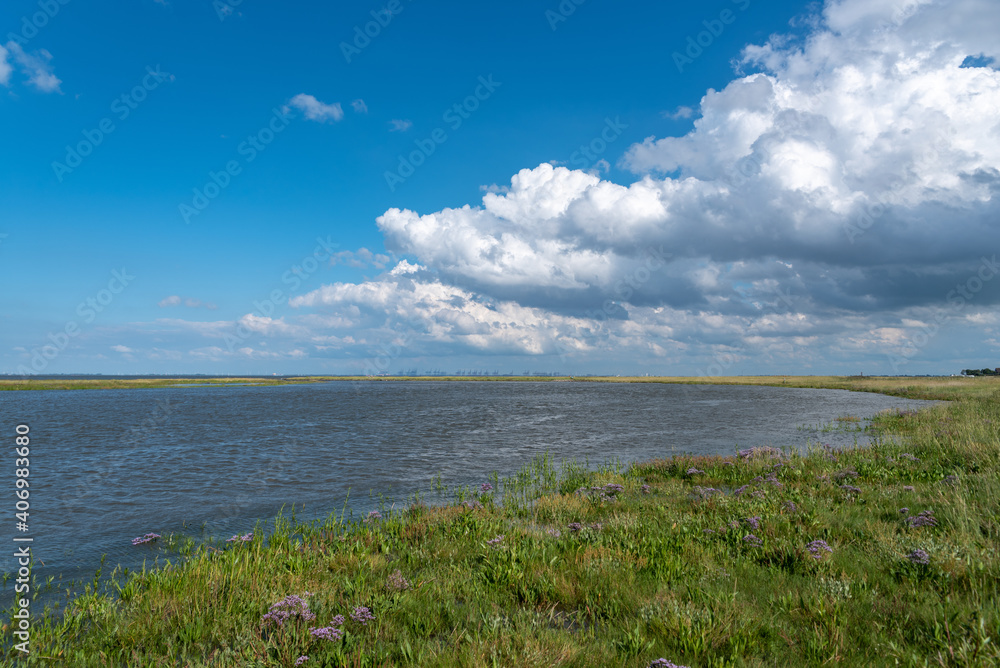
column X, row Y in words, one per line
column 933, row 387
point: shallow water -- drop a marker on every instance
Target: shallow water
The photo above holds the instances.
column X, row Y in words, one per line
column 109, row 465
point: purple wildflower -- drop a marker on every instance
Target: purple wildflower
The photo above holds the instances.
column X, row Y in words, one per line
column 907, row 455
column 850, row 489
column 373, row 516
column 693, row 471
column 740, row 490
column 645, row 489
column 705, row 492
column 907, row 488
column 734, row 525
column 758, row 494
column 754, row 522
column 245, row 538
column 817, row 548
column 574, row 526
column 397, row 582
column 664, row 663
column 302, row 659
column 790, row 506
column 331, row 633
column 288, row 608
column 486, row 487
column 753, row 540
column 846, row 473
column 924, row 518
column 148, row 538
column 904, row 510
column 555, row 533
column 612, row 488
column 919, row 557
column 495, row 541
column 362, row 615
column 708, row 531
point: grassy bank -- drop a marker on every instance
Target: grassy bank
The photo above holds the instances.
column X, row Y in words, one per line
column 878, row 556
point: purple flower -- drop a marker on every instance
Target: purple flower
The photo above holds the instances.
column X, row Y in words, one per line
column 907, row 488
column 397, row 582
column 758, row 494
column 245, row 538
column 148, row 538
column 694, row 471
column 817, row 548
column 705, row 492
column 555, row 533
column 302, row 659
column 362, row 615
column 846, row 473
column 919, row 557
column 331, row 632
column 754, row 522
column 664, row 663
column 288, row 608
column 486, row 487
column 922, row 519
column 850, row 489
column 790, row 506
column 472, row 504
column 907, row 455
column 495, row 541
column 574, row 526
column 904, row 510
column 645, row 489
column 753, row 540
column 734, row 525
column 739, row 491
column 373, row 516
column 708, row 531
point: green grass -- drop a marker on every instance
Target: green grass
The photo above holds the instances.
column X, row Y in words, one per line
column 641, row 579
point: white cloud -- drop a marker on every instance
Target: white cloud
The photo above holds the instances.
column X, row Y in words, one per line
column 397, row 125
column 680, row 112
column 359, row 106
column 315, row 110
column 5, row 67
column 122, row 349
column 35, row 65
column 173, row 300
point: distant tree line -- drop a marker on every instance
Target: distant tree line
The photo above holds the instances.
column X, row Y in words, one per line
column 981, row 372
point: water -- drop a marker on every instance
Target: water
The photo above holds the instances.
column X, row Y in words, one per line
column 109, row 465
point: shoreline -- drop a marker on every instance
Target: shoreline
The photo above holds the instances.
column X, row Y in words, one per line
column 613, row 567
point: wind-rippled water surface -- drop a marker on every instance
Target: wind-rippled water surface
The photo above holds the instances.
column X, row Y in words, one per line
column 110, row 465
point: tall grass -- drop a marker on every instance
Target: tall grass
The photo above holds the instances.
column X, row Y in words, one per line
column 757, row 559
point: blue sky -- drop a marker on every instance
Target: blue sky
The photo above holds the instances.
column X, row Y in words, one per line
column 639, row 254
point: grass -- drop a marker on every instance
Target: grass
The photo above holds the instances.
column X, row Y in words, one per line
column 704, row 561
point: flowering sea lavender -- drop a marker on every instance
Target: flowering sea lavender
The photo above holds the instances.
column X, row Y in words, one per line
column 301, row 660
column 486, row 488
column 664, row 663
column 754, row 522
column 740, row 490
column 907, row 455
column 289, row 608
column 362, row 615
column 373, row 516
column 645, row 489
column 705, row 492
column 331, row 633
column 919, row 557
column 817, row 548
column 907, row 488
column 496, row 541
column 851, row 489
column 555, row 533
column 148, row 538
column 693, row 471
column 574, row 526
column 790, row 506
column 753, row 540
column 924, row 518
column 245, row 538
column 845, row 474
column 397, row 582
column 758, row 494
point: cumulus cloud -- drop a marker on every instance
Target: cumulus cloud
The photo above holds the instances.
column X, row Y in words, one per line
column 360, row 259
column 398, row 125
column 359, row 106
column 315, row 110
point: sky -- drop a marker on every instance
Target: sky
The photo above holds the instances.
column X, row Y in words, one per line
column 719, row 188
